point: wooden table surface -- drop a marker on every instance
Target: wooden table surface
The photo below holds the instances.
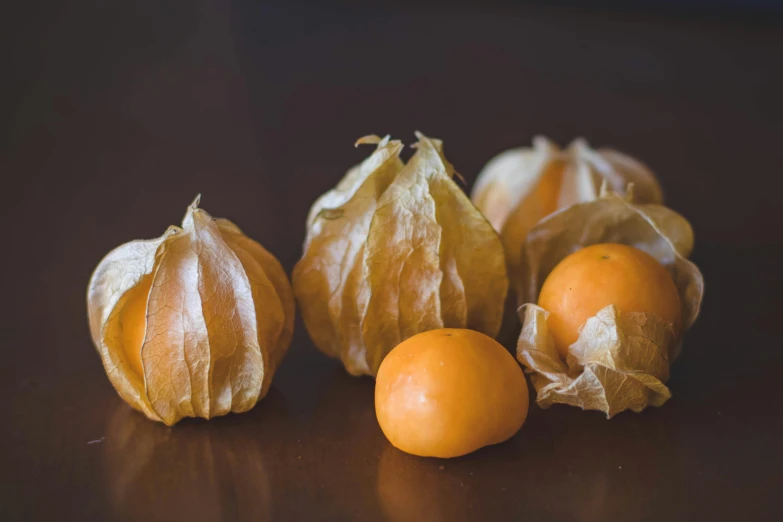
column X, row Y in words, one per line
column 112, row 118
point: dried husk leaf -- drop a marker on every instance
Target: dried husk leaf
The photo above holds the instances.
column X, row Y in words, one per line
column 621, row 360
column 521, row 186
column 192, row 324
column 402, row 251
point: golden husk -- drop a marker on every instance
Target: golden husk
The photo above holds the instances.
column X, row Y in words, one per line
column 216, row 315
column 621, row 360
column 394, row 250
column 521, row 186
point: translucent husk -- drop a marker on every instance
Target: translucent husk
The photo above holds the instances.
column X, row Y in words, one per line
column 394, row 250
column 193, row 323
column 621, row 360
column 521, row 186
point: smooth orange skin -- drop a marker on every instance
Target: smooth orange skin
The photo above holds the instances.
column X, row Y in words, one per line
column 549, row 187
column 133, row 322
column 448, row 392
column 599, row 275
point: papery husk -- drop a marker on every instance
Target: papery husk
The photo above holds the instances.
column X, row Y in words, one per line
column 521, row 186
column 395, row 250
column 218, row 319
column 621, row 360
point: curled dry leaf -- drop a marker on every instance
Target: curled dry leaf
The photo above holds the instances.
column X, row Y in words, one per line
column 394, row 250
column 621, row 360
column 193, row 323
column 519, row 187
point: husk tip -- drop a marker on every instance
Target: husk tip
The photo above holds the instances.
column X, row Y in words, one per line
column 541, row 141
column 371, row 139
column 580, row 143
column 629, row 192
column 604, row 190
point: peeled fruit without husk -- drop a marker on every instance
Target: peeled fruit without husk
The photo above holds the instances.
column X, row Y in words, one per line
column 448, row 392
column 601, row 275
column 521, row 186
column 395, row 250
column 192, row 324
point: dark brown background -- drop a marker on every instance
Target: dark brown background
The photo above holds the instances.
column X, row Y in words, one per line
column 114, row 117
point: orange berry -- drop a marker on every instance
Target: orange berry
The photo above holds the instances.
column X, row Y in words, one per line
column 448, row 392
column 599, row 275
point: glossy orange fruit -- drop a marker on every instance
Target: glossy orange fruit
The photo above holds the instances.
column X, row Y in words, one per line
column 448, row 392
column 599, row 275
